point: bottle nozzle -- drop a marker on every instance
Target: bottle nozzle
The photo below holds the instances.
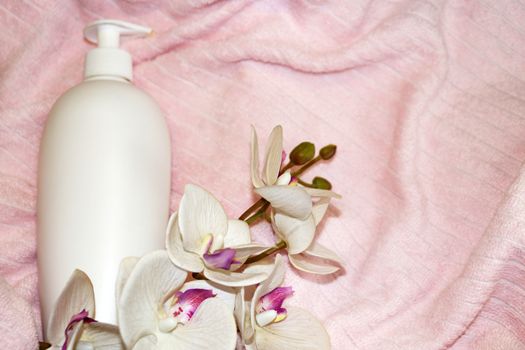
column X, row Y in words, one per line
column 107, row 32
column 108, row 59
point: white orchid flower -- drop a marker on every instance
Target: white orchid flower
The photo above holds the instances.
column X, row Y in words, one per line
column 156, row 311
column 265, row 324
column 294, row 217
column 72, row 325
column 292, row 231
column 200, row 238
column 271, row 184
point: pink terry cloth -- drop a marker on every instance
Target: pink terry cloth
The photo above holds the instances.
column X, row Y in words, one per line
column 424, row 98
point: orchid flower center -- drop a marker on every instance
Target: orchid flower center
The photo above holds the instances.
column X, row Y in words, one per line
column 81, row 316
column 182, row 307
column 215, row 256
column 269, row 308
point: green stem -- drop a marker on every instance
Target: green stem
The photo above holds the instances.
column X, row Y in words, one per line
column 258, row 214
column 305, row 184
column 286, row 167
column 280, row 245
column 261, row 202
column 306, row 166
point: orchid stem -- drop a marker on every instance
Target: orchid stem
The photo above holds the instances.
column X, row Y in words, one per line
column 198, row 276
column 280, row 245
column 306, row 166
column 258, row 214
column 261, row 202
column 305, row 184
column 286, row 167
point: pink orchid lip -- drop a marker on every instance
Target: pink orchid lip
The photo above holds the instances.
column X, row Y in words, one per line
column 81, row 316
column 274, row 301
column 187, row 302
column 221, row 259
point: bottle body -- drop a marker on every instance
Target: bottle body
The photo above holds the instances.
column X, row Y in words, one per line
column 103, row 188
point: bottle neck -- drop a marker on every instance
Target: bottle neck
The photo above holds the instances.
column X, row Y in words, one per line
column 108, row 77
column 104, row 61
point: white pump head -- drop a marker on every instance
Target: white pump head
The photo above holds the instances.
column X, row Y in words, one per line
column 107, row 59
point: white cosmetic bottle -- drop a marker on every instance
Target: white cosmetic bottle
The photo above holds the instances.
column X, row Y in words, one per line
column 104, row 174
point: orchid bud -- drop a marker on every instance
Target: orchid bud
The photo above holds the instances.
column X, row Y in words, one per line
column 321, row 183
column 302, row 153
column 327, row 152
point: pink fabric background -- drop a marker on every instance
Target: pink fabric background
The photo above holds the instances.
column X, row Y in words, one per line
column 425, row 99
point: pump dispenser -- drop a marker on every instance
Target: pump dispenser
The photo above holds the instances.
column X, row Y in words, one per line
column 107, row 58
column 104, row 174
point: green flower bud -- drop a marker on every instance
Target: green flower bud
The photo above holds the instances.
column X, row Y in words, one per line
column 302, row 153
column 327, row 152
column 321, row 183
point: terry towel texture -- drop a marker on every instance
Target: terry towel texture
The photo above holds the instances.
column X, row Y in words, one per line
column 425, row 99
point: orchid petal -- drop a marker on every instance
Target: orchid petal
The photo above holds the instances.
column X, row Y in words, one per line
column 152, row 279
column 221, row 259
column 242, row 317
column 266, row 266
column 300, row 330
column 188, row 301
column 249, row 326
column 148, row 343
column 319, row 210
column 275, row 277
column 298, row 234
column 126, row 266
column 274, row 300
column 317, row 250
column 274, row 280
column 74, row 336
column 290, row 200
column 254, row 161
column 243, row 252
column 180, row 257
column 77, row 295
column 225, row 294
column 238, row 312
column 284, row 179
column 301, row 262
column 316, row 192
column 200, row 215
column 274, row 150
column 238, row 233
column 212, row 327
column 234, row 279
column 103, row 336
